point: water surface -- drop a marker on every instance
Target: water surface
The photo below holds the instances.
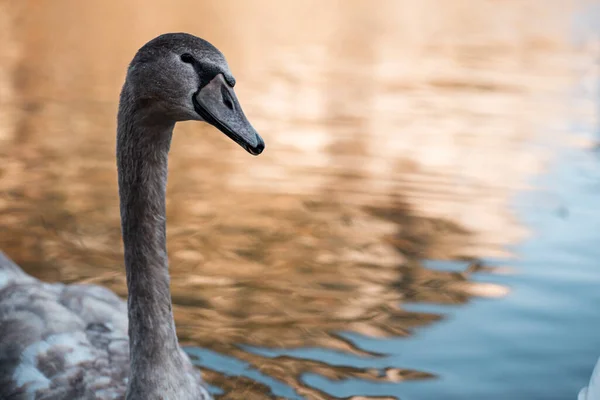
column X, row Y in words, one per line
column 421, row 225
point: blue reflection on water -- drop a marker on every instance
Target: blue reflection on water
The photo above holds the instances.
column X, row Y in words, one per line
column 540, row 342
column 231, row 366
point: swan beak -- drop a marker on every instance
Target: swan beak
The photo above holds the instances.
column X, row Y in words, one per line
column 218, row 105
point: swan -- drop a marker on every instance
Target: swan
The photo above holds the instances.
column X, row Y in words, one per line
column 81, row 341
column 592, row 391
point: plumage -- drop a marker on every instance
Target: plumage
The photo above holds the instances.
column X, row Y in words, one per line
column 60, row 342
column 592, row 390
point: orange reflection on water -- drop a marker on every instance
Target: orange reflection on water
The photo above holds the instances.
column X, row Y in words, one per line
column 395, row 132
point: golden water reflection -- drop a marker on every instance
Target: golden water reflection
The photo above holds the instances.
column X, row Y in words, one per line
column 395, row 133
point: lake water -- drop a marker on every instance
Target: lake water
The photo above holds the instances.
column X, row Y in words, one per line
column 422, row 224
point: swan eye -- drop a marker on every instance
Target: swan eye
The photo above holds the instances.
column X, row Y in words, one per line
column 187, row 58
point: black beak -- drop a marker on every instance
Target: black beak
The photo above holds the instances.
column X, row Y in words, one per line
column 218, row 105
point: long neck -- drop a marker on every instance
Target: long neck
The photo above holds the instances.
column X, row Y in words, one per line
column 142, row 152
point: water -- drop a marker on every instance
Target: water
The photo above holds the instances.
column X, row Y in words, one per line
column 421, row 225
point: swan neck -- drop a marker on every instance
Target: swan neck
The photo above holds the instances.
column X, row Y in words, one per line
column 142, row 155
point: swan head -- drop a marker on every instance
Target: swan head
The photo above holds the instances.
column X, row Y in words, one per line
column 180, row 77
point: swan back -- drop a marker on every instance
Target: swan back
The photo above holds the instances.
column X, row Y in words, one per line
column 592, row 391
column 60, row 341
column 10, row 272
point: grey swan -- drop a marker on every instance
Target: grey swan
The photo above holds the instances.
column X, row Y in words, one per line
column 68, row 342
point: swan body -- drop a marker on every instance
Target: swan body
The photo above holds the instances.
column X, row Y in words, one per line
column 68, row 342
column 60, row 341
column 592, row 391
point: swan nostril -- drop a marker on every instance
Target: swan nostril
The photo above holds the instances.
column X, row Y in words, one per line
column 226, row 97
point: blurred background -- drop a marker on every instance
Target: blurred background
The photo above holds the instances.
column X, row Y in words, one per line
column 423, row 223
